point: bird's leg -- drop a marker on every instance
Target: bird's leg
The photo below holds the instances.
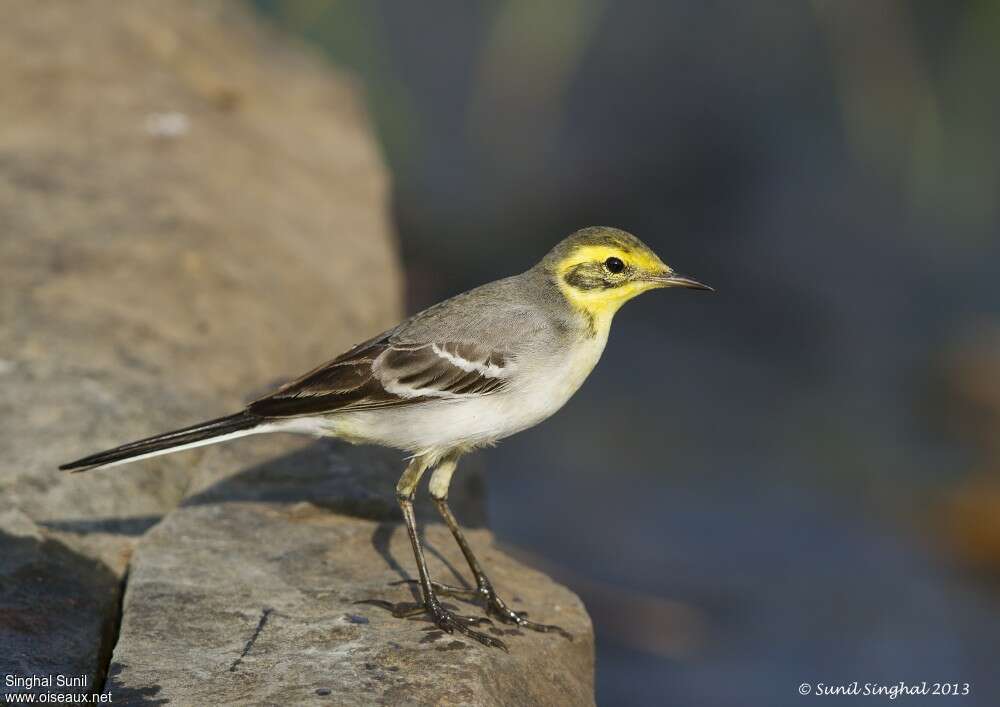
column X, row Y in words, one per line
column 484, row 590
column 442, row 618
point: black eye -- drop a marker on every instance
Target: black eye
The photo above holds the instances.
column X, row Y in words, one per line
column 614, row 265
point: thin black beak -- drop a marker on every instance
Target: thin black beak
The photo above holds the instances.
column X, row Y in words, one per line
column 674, row 280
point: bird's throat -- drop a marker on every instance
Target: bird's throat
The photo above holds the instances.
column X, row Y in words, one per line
column 598, row 306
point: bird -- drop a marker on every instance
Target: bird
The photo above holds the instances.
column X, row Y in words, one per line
column 456, row 377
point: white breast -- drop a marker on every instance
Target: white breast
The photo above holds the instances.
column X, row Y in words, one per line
column 547, row 388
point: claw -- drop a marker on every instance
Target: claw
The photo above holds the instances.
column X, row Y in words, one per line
column 475, row 620
column 449, row 622
column 495, row 606
column 521, row 622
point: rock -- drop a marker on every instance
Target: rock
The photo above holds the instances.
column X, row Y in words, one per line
column 193, row 210
column 157, row 277
column 185, row 203
column 212, row 618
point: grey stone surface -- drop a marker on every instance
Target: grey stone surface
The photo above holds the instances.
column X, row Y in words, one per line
column 256, row 603
column 190, row 211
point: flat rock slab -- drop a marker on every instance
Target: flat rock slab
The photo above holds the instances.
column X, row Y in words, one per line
column 257, row 603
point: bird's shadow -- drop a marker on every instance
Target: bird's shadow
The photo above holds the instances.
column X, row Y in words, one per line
column 355, row 481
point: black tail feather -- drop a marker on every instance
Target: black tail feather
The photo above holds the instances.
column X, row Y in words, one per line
column 178, row 438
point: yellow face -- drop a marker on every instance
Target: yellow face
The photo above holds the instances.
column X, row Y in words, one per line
column 598, row 279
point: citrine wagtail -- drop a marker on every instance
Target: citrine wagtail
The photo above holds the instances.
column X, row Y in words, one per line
column 455, row 377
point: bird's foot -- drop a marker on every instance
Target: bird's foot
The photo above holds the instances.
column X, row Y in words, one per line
column 450, row 622
column 495, row 606
column 444, row 619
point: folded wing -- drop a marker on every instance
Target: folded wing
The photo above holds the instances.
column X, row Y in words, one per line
column 381, row 373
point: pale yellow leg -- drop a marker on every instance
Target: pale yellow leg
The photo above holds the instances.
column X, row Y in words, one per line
column 441, row 478
column 406, row 488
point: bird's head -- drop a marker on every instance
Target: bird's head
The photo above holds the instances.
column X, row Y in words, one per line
column 598, row 269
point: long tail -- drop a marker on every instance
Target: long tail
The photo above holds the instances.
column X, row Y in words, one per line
column 223, row 428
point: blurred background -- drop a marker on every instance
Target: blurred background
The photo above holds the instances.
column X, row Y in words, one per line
column 809, row 489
